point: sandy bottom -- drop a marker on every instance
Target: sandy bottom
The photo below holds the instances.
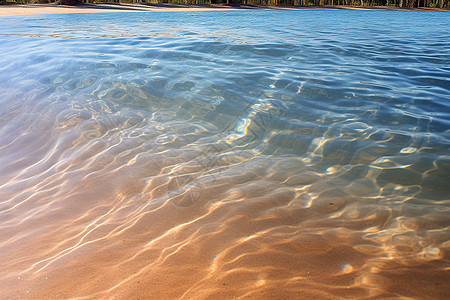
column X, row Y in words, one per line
column 115, row 185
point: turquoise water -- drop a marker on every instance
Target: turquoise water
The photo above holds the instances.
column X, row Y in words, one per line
column 225, row 154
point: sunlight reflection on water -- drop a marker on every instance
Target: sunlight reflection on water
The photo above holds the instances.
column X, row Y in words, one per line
column 157, row 157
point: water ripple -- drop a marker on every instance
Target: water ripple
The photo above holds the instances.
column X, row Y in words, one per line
column 193, row 155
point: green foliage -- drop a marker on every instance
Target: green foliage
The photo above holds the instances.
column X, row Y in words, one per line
column 390, row 3
column 9, row 2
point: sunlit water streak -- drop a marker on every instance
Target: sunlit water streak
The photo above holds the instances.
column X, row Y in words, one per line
column 294, row 154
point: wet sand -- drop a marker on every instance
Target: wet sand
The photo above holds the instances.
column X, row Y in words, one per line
column 36, row 9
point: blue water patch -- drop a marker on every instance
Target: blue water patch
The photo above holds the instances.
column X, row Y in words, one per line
column 335, row 123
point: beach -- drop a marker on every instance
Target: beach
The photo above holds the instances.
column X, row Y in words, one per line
column 36, row 9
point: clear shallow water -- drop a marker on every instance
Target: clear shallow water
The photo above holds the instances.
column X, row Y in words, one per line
column 216, row 155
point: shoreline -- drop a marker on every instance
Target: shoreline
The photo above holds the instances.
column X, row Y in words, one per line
column 37, row 9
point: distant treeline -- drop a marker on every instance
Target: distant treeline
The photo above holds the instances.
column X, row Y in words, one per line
column 387, row 3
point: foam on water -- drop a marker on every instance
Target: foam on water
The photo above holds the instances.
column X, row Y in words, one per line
column 296, row 154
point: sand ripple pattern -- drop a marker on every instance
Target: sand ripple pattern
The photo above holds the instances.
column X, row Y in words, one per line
column 190, row 155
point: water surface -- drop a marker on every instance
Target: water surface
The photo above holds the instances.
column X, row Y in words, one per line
column 220, row 155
